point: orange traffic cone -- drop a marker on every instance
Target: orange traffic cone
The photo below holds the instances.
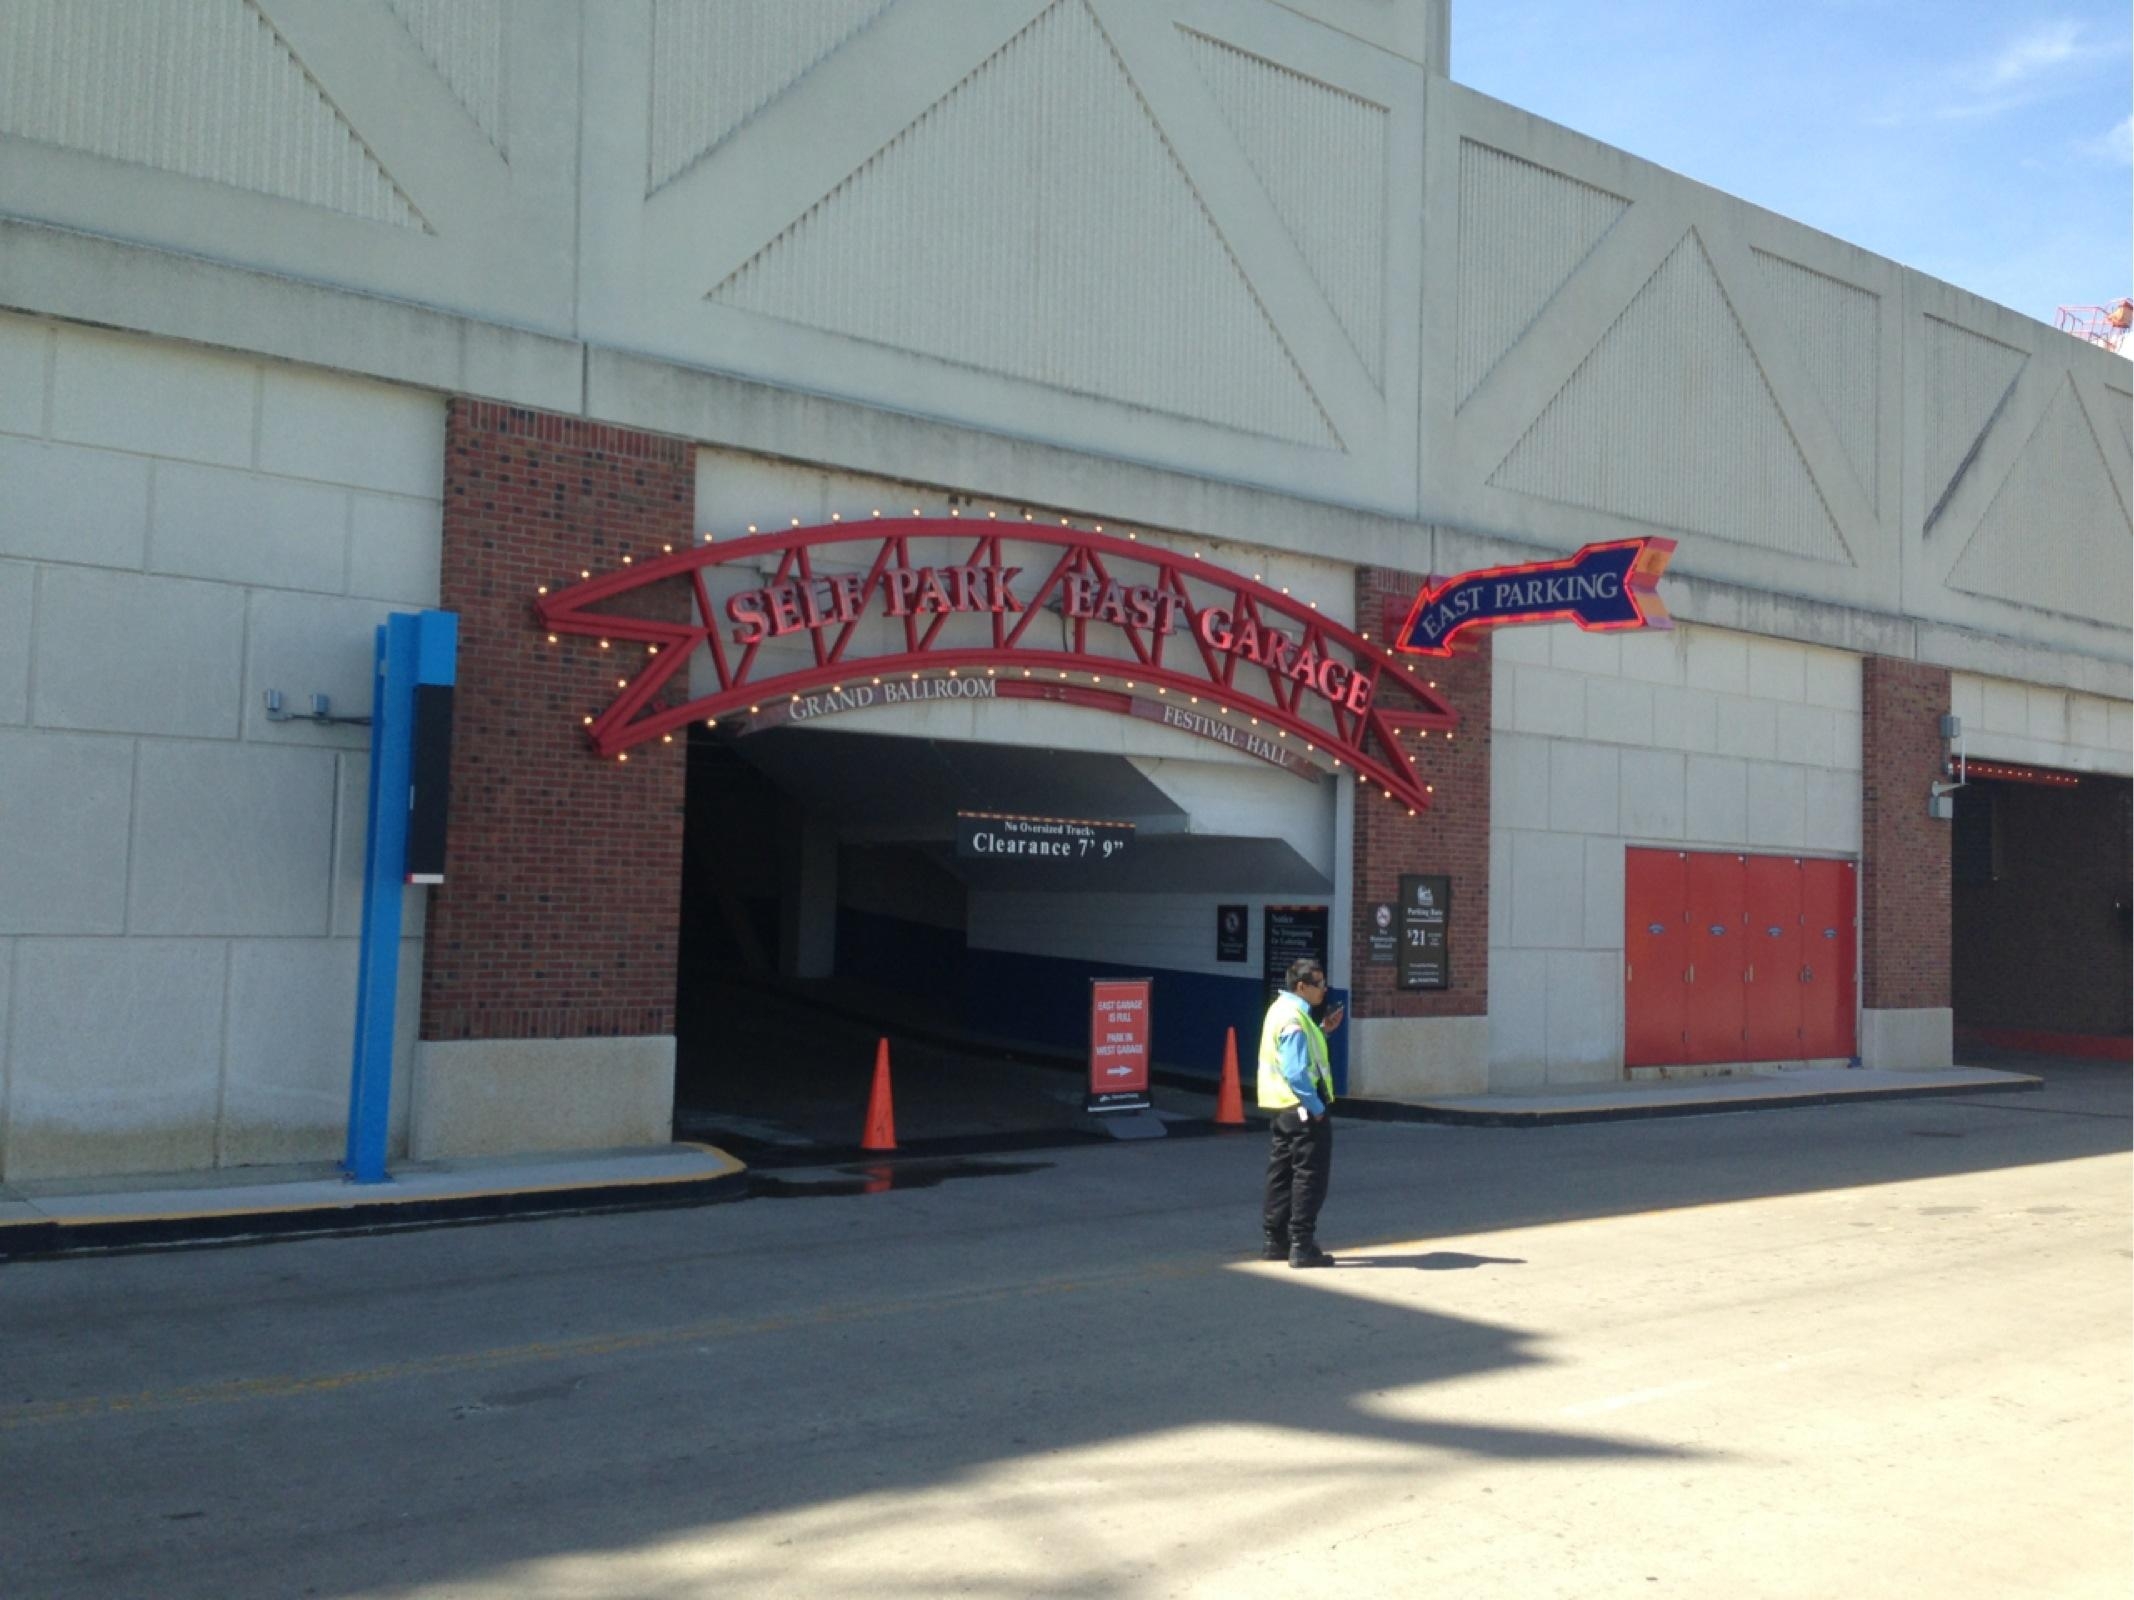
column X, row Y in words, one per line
column 881, row 1131
column 1229, row 1105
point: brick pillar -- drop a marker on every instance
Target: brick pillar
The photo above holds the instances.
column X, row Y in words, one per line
column 549, row 966
column 1904, row 867
column 1434, row 1041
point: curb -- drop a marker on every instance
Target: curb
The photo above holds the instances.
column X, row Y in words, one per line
column 31, row 1241
column 1497, row 1117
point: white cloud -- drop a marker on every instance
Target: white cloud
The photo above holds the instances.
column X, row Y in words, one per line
column 2046, row 61
column 2116, row 146
column 2034, row 54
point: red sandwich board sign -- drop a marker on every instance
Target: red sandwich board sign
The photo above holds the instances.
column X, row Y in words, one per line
column 1119, row 1044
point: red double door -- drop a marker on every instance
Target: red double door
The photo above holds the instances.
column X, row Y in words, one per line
column 1736, row 958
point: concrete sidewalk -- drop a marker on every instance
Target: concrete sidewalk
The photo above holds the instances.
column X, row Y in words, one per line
column 1688, row 1097
column 56, row 1217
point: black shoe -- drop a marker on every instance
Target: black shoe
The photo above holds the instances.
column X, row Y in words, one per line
column 1274, row 1250
column 1308, row 1254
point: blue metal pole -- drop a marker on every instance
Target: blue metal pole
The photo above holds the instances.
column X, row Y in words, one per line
column 370, row 1085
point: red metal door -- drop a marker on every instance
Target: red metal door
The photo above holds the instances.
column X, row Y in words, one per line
column 1829, row 948
column 1655, row 956
column 1771, row 983
column 1713, row 1020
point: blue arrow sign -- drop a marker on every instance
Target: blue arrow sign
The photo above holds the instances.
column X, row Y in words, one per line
column 1603, row 587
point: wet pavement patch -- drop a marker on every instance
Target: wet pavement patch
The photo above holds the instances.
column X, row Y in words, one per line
column 881, row 1177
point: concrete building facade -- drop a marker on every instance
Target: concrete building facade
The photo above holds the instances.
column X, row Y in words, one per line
column 314, row 310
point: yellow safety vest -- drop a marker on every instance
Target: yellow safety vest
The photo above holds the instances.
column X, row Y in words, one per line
column 1275, row 1093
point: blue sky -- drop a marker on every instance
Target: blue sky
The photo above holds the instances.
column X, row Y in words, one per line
column 1987, row 144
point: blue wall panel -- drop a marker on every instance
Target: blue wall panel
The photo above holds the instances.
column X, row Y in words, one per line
column 1044, row 1000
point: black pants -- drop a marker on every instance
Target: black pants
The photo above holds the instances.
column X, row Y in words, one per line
column 1298, row 1163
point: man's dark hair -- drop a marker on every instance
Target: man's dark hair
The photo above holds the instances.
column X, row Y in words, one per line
column 1301, row 972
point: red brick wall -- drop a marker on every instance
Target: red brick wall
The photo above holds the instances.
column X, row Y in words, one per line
column 559, row 913
column 1451, row 837
column 1904, row 853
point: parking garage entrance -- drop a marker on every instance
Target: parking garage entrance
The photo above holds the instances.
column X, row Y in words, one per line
column 827, row 905
column 848, row 692
column 2041, row 937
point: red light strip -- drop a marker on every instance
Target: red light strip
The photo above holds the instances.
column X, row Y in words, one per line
column 2001, row 772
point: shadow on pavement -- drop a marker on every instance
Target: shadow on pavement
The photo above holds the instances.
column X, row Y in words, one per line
column 1428, row 1261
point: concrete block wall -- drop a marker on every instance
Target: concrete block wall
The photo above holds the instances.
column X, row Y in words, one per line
column 2004, row 720
column 1696, row 737
column 181, row 879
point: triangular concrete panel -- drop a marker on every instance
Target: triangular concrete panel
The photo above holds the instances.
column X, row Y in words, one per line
column 227, row 102
column 2056, row 535
column 1837, row 330
column 1010, row 229
column 464, row 41
column 716, row 64
column 1674, row 388
column 1968, row 380
column 1524, row 230
column 1320, row 153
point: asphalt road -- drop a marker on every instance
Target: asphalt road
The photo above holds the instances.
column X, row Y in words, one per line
column 1879, row 1349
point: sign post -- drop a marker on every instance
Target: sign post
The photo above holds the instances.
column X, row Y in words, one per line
column 1119, row 1044
column 404, row 840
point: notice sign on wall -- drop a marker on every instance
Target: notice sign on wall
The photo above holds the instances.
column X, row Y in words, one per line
column 1291, row 933
column 1384, row 933
column 991, row 836
column 1119, row 1044
column 1425, row 903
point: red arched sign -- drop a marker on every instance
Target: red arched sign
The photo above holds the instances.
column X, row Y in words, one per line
column 1206, row 651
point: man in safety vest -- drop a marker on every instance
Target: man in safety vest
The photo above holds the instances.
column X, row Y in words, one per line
column 1298, row 1086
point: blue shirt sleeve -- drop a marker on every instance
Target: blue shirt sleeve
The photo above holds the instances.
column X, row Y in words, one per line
column 1296, row 1063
